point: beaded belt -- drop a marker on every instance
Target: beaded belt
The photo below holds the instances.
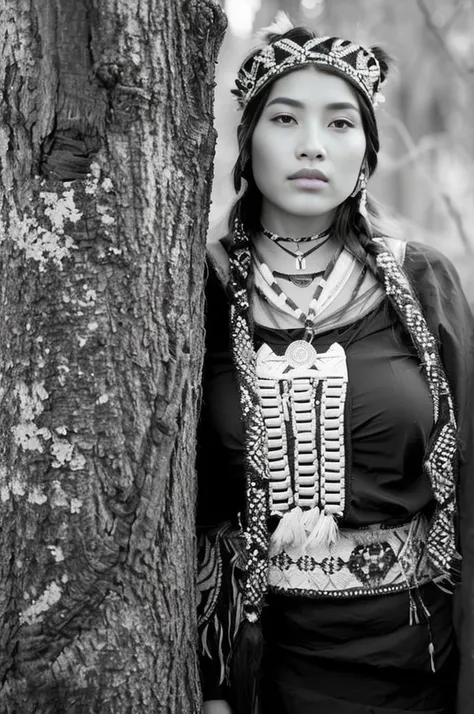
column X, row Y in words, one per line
column 367, row 561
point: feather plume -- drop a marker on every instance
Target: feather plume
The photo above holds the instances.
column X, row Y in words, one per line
column 279, row 26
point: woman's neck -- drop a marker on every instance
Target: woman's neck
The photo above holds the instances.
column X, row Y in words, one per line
column 286, row 225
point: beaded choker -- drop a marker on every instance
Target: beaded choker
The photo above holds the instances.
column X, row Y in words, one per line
column 275, row 237
column 300, row 257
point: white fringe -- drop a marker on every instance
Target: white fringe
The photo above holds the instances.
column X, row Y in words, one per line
column 300, row 529
column 290, row 532
column 279, row 26
column 324, row 533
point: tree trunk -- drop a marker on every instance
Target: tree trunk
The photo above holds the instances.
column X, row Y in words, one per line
column 106, row 149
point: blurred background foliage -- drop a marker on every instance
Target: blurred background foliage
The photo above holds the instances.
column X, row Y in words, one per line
column 425, row 176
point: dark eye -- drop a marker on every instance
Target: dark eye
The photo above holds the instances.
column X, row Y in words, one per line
column 341, row 124
column 285, row 119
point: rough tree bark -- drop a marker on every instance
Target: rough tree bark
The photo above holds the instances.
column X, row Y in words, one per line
column 106, row 148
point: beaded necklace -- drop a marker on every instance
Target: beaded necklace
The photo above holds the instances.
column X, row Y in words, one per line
column 300, row 257
column 301, row 281
column 274, row 237
column 300, row 353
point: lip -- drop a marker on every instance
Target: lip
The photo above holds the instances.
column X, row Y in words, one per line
column 310, row 174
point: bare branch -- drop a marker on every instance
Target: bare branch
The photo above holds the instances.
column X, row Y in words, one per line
column 414, row 150
column 457, row 219
column 462, row 71
column 454, row 15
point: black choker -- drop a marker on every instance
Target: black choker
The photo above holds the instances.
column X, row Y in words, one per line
column 275, row 237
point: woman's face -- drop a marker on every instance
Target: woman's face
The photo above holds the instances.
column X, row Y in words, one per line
column 307, row 147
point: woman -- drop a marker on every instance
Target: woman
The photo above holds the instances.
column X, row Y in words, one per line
column 334, row 437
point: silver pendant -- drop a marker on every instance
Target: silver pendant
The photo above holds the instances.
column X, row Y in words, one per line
column 300, row 259
column 301, row 281
column 300, row 354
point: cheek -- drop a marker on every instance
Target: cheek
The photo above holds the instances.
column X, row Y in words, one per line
column 351, row 159
column 264, row 161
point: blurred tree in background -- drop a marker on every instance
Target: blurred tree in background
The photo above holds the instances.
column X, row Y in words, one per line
column 426, row 165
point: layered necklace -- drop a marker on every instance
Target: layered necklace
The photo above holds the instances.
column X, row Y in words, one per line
column 299, row 256
column 300, row 353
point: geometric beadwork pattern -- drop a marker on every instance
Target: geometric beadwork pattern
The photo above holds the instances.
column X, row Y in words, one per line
column 358, row 63
column 441, row 459
column 256, row 463
column 360, row 562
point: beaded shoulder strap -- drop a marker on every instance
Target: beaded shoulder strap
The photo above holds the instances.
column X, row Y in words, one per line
column 441, row 455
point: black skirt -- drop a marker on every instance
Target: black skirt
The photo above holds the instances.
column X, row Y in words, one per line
column 358, row 656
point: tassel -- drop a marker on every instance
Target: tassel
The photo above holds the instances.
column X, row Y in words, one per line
column 310, row 518
column 290, row 532
column 244, row 667
column 324, row 533
column 414, row 618
column 431, row 651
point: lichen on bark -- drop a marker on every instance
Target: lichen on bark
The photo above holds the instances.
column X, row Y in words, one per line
column 106, row 148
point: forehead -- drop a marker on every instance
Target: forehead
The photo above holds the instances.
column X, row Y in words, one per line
column 310, row 84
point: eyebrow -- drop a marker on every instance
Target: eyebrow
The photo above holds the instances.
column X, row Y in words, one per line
column 333, row 106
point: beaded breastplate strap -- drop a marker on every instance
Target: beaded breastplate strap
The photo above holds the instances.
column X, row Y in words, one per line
column 303, row 411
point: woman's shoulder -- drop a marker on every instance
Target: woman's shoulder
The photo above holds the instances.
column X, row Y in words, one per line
column 421, row 258
column 433, row 277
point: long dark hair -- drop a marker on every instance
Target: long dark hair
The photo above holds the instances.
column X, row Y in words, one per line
column 351, row 229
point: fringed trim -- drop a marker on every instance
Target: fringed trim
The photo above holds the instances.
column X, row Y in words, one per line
column 298, row 529
column 244, row 667
column 221, row 562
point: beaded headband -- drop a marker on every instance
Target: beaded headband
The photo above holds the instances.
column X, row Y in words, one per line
column 359, row 65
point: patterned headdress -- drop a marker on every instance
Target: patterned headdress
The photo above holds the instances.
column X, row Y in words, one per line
column 358, row 64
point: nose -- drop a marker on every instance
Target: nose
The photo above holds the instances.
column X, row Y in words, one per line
column 311, row 145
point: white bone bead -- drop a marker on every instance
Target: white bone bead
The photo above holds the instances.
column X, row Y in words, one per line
column 274, row 454
column 278, row 475
column 278, row 465
column 272, row 422
column 270, row 413
column 332, row 487
column 306, row 481
column 305, row 469
column 304, row 438
column 306, row 458
column 274, row 433
column 303, row 417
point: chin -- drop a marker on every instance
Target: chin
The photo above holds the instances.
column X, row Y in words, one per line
column 308, row 209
